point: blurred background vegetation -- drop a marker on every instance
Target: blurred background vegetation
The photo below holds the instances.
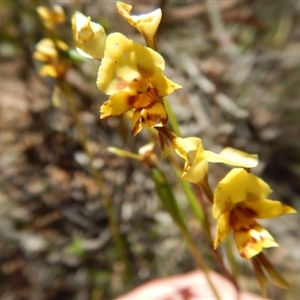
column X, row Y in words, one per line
column 239, row 65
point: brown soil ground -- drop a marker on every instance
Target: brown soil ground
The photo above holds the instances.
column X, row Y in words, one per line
column 240, row 88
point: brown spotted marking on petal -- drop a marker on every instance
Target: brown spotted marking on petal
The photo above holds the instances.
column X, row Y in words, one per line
column 130, row 99
column 233, row 221
column 253, row 240
column 243, row 255
column 145, row 72
column 153, row 119
column 246, row 246
column 249, row 213
column 121, row 83
column 137, row 127
column 152, row 93
column 243, row 229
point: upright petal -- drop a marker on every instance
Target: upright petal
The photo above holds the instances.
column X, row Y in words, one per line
column 256, row 186
column 124, row 61
column 222, row 202
column 232, row 187
column 238, row 184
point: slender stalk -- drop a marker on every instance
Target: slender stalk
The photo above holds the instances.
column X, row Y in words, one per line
column 167, row 197
column 201, row 213
column 193, row 202
column 207, row 189
column 172, row 117
column 112, row 218
column 206, row 226
column 210, row 196
column 199, row 195
column 231, row 258
column 198, row 259
column 124, row 153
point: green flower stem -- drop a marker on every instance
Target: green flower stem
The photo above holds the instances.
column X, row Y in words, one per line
column 204, row 184
column 207, row 189
column 193, row 202
column 167, row 197
column 112, row 218
column 172, row 117
column 198, row 209
column 124, row 153
column 202, row 216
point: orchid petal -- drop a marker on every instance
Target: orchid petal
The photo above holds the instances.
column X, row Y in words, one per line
column 223, row 229
column 125, row 61
column 234, row 157
column 116, row 105
column 251, row 242
column 268, row 208
column 146, row 24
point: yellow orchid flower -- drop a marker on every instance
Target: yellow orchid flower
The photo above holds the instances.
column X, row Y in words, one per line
column 48, row 52
column 89, row 36
column 146, row 24
column 51, row 16
column 196, row 158
column 132, row 75
column 240, row 197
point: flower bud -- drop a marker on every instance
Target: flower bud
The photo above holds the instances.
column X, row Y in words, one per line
column 51, row 16
column 49, row 52
column 146, row 24
column 89, row 36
